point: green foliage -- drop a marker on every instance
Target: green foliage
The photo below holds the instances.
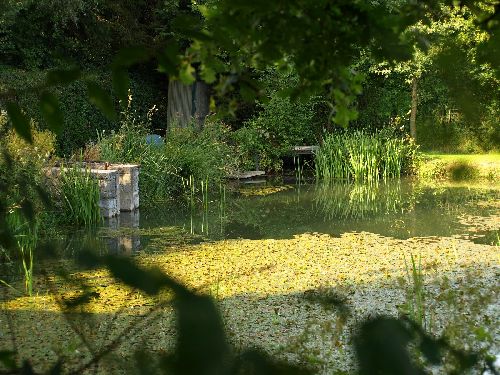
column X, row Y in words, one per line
column 21, row 195
column 81, row 119
column 280, row 123
column 202, row 155
column 415, row 306
column 457, row 108
column 79, row 192
column 360, row 156
column 26, row 236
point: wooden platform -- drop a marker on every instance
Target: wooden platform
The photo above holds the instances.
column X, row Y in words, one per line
column 247, row 174
column 304, row 150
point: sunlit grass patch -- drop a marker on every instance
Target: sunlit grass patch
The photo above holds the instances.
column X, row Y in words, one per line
column 460, row 167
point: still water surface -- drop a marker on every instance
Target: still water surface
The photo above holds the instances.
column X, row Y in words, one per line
column 400, row 209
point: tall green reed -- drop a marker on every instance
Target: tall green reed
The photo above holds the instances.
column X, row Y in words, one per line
column 26, row 236
column 80, row 195
column 415, row 306
column 361, row 157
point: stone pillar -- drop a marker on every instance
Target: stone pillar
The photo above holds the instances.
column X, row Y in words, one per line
column 128, row 186
column 109, row 201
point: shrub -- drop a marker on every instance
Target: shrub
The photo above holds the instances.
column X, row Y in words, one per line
column 186, row 152
column 280, row 124
column 82, row 120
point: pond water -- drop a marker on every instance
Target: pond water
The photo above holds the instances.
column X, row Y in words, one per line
column 264, row 209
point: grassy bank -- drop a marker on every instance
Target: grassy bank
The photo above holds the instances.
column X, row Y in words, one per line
column 460, row 167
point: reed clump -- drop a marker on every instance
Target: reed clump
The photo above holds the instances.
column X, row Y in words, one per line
column 79, row 193
column 359, row 156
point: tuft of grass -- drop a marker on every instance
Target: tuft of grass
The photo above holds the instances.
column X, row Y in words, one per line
column 362, row 157
column 26, row 236
column 415, row 306
column 79, row 192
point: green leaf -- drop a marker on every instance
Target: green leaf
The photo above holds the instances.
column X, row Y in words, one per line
column 168, row 58
column 121, row 83
column 51, row 111
column 207, row 74
column 101, row 99
column 20, row 121
column 7, row 358
column 186, row 73
column 62, row 76
column 130, row 56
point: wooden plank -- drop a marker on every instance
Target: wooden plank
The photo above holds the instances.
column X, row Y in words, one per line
column 305, row 150
column 247, row 174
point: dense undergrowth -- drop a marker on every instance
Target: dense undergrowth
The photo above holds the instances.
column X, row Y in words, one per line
column 185, row 153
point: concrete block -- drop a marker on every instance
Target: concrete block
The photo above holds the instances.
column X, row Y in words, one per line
column 109, row 207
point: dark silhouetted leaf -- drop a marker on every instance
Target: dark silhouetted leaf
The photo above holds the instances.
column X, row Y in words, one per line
column 150, row 281
column 121, row 83
column 431, row 349
column 168, row 59
column 62, row 76
column 259, row 363
column 8, row 359
column 129, row 56
column 20, row 121
column 201, row 344
column 381, row 348
column 51, row 111
column 101, row 99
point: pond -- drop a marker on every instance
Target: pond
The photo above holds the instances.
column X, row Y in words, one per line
column 265, row 209
column 265, row 251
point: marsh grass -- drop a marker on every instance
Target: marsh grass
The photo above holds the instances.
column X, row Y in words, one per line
column 80, row 194
column 26, row 239
column 415, row 306
column 362, row 157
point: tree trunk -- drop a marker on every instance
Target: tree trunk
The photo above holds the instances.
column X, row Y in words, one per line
column 180, row 104
column 413, row 113
column 187, row 104
column 201, row 103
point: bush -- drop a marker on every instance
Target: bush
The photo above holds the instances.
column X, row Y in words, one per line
column 21, row 178
column 281, row 124
column 82, row 120
column 200, row 154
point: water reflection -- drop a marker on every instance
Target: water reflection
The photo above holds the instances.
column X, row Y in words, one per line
column 353, row 201
column 398, row 208
column 121, row 233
